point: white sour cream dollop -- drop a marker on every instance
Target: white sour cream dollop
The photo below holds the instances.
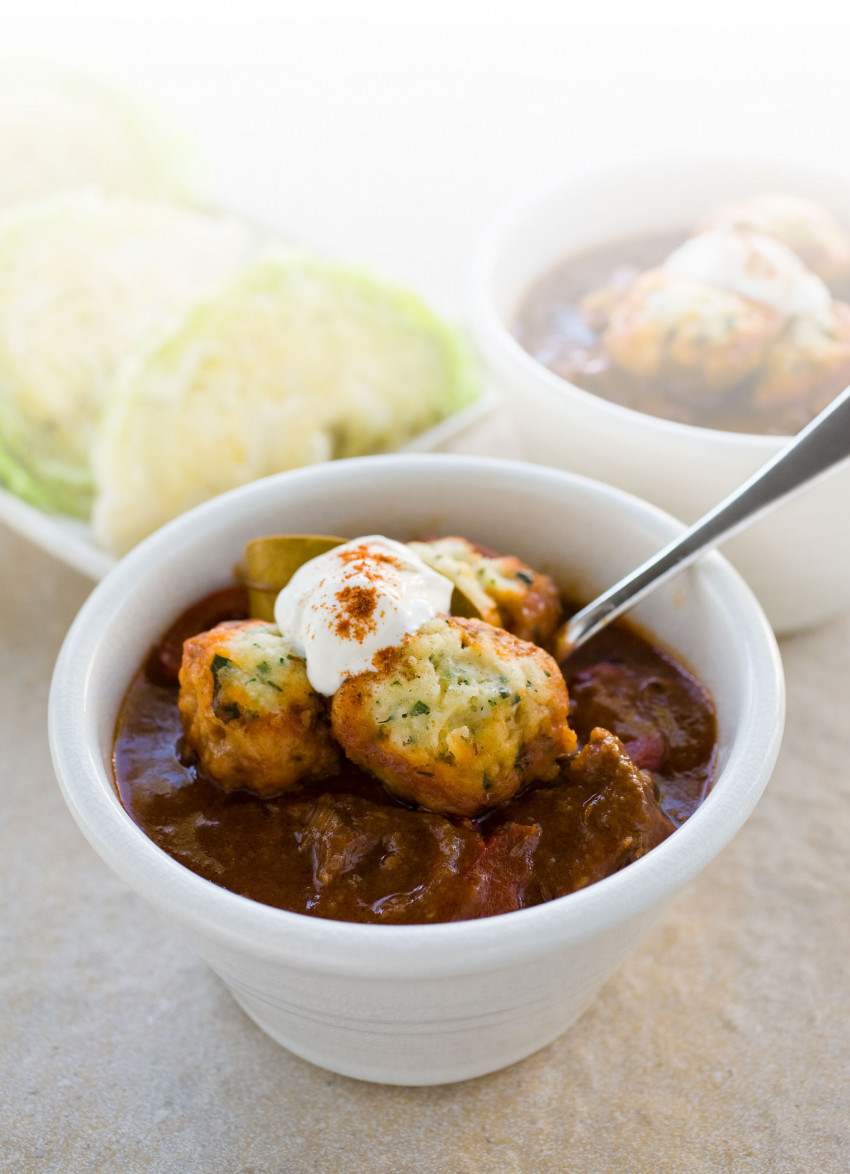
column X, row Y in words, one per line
column 341, row 608
column 753, row 265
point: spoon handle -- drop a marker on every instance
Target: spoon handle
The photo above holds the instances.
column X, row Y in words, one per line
column 813, row 451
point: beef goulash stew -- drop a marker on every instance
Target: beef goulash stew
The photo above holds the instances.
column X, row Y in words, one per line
column 375, row 731
column 743, row 326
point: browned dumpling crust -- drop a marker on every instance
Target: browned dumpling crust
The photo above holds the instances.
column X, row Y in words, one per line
column 458, row 718
column 675, row 328
column 808, row 364
column 249, row 712
column 507, row 592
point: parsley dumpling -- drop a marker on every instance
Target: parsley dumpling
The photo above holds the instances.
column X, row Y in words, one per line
column 249, row 712
column 807, row 366
column 458, row 718
column 688, row 332
column 507, row 593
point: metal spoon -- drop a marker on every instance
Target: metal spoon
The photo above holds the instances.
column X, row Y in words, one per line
column 821, row 444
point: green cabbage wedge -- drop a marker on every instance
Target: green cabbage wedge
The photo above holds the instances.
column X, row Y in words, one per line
column 297, row 360
column 62, row 130
column 87, row 281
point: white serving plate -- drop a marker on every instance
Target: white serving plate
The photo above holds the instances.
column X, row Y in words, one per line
column 71, row 541
column 796, row 559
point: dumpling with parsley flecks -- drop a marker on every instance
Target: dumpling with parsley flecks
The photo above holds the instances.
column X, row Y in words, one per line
column 806, row 367
column 249, row 712
column 459, row 717
column 689, row 333
column 506, row 592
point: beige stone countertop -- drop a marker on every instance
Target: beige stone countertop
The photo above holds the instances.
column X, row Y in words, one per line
column 722, row 1044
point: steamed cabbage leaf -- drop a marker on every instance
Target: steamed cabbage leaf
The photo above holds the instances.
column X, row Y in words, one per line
column 298, row 360
column 62, row 130
column 87, row 280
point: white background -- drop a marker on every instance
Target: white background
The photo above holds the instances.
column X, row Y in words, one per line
column 387, row 131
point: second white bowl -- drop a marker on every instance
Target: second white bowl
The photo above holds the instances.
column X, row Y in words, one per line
column 797, row 560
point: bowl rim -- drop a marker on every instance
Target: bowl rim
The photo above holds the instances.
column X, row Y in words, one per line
column 499, row 345
column 416, row 951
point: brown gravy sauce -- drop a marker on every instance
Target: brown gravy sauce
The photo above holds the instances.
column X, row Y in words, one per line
column 550, row 326
column 405, row 865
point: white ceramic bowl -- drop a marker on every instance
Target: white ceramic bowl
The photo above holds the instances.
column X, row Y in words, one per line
column 798, row 559
column 419, row 1004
